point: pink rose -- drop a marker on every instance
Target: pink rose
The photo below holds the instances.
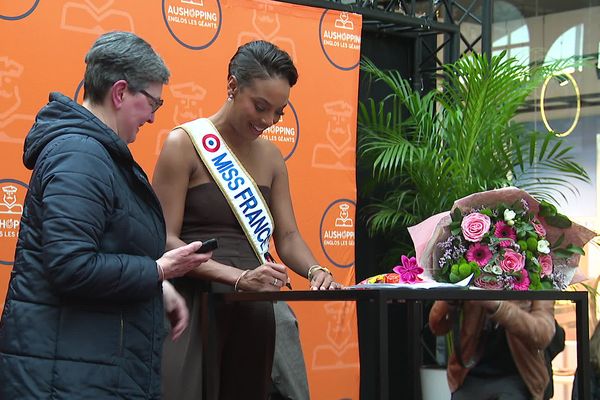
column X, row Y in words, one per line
column 512, row 261
column 539, row 228
column 523, row 282
column 474, row 226
column 488, row 281
column 546, row 264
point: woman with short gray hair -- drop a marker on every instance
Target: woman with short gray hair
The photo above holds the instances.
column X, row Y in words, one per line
column 84, row 312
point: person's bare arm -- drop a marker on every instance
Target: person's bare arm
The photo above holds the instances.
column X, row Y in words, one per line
column 290, row 245
column 172, row 174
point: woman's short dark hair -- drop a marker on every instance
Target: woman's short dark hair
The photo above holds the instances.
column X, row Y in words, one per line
column 121, row 55
column 262, row 60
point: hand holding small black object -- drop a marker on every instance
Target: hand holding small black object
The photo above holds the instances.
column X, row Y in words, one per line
column 208, row 245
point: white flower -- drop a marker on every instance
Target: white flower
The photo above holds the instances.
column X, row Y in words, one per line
column 543, row 246
column 497, row 270
column 509, row 215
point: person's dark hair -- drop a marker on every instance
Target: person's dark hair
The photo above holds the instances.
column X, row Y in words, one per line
column 261, row 60
column 121, row 55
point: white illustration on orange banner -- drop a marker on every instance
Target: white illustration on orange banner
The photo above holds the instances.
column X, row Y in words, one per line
column 95, row 17
column 337, row 233
column 194, row 24
column 343, row 22
column 188, row 98
column 265, row 21
column 339, row 151
column 196, row 3
column 344, row 219
column 285, row 133
column 11, row 209
column 341, row 348
column 9, row 204
column 13, row 125
column 340, row 37
column 15, row 10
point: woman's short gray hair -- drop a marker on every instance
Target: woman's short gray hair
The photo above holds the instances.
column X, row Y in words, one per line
column 121, row 55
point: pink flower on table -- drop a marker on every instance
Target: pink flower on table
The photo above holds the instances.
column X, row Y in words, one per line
column 409, row 270
column 479, row 253
column 523, row 282
column 546, row 264
column 474, row 226
column 504, row 231
column 539, row 228
column 488, row 281
column 512, row 261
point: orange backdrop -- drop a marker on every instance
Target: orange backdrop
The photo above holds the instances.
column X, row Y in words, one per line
column 42, row 50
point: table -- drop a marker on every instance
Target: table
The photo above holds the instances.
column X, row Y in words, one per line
column 378, row 300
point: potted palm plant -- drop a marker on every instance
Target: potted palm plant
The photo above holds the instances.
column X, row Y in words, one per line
column 427, row 150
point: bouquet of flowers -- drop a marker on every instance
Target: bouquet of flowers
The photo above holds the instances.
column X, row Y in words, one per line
column 505, row 238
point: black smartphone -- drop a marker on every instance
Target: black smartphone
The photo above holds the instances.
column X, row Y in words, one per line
column 208, row 245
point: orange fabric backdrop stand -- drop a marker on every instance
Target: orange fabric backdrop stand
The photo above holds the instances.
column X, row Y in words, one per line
column 42, row 50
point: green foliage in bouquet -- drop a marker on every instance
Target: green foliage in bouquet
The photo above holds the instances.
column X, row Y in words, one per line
column 427, row 150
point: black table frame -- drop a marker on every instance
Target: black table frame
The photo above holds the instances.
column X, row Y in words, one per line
column 377, row 301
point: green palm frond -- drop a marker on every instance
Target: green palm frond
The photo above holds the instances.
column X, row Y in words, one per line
column 459, row 139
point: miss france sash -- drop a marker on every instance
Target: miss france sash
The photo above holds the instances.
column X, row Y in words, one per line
column 236, row 184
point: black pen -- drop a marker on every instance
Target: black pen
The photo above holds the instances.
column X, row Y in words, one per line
column 270, row 258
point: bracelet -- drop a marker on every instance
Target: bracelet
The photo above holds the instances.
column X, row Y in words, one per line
column 315, row 268
column 161, row 272
column 237, row 281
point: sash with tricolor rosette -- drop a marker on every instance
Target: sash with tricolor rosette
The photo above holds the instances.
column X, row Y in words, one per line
column 236, row 184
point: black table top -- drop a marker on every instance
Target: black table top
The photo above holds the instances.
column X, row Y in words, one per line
column 406, row 294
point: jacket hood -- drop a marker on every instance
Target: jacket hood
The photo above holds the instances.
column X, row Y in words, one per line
column 63, row 116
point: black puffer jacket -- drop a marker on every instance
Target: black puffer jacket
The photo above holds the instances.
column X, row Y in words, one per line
column 83, row 317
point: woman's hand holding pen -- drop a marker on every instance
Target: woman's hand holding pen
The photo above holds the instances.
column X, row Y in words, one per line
column 269, row 277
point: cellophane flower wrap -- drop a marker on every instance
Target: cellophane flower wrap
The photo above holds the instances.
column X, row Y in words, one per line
column 506, row 238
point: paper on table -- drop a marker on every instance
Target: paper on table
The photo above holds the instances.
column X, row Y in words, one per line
column 429, row 284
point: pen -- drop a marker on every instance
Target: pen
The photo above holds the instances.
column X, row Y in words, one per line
column 270, row 258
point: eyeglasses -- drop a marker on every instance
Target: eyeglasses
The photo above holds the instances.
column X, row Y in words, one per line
column 155, row 102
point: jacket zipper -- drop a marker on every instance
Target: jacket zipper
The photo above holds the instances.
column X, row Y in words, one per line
column 121, row 335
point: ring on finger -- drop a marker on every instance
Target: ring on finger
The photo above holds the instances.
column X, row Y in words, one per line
column 275, row 281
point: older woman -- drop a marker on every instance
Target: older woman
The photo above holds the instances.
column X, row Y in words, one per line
column 84, row 312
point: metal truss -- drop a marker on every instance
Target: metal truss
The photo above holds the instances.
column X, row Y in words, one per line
column 420, row 20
